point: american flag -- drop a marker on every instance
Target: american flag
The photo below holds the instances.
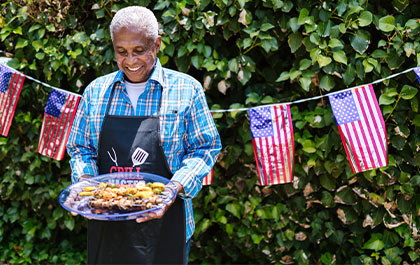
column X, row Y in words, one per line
column 208, row 180
column 58, row 119
column 272, row 137
column 11, row 84
column 362, row 127
column 417, row 72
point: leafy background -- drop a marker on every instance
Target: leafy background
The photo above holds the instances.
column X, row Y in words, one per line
column 246, row 53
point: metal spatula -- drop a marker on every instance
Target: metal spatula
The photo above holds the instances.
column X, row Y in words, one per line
column 139, row 156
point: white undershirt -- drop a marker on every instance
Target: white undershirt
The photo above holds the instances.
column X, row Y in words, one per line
column 134, row 91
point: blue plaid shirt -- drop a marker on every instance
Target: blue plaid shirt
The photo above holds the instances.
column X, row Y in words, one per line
column 189, row 136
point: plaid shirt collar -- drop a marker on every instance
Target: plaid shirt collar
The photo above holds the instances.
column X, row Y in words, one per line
column 156, row 76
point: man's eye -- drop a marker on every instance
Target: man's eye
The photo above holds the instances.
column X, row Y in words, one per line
column 122, row 52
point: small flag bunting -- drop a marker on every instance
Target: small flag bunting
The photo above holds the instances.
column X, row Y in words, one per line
column 272, row 137
column 361, row 127
column 208, row 180
column 56, row 125
column 10, row 87
column 417, row 72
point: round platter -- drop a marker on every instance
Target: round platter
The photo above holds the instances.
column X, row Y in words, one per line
column 71, row 200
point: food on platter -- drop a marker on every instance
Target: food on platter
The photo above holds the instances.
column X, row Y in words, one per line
column 118, row 196
column 139, row 196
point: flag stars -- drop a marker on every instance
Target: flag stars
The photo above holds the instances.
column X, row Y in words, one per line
column 261, row 122
column 344, row 107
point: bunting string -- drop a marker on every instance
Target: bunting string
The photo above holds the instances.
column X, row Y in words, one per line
column 320, row 96
column 40, row 82
column 246, row 109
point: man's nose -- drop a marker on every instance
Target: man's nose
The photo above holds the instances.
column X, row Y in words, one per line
column 131, row 58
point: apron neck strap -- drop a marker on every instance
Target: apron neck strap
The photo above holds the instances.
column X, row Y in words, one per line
column 112, row 95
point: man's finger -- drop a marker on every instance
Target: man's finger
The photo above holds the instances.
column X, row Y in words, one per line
column 73, row 213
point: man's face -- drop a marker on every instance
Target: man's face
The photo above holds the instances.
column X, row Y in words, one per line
column 135, row 53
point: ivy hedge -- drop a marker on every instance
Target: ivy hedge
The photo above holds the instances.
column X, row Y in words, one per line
column 246, row 53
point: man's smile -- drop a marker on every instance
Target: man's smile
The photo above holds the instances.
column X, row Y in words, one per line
column 135, row 69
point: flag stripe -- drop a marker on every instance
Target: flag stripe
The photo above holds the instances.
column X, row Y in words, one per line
column 17, row 89
column 372, row 122
column 254, row 143
column 286, row 176
column 292, row 144
column 263, row 164
column 349, row 156
column 369, row 143
column 7, row 105
column 41, row 139
column 281, row 140
column 355, row 131
column 378, row 118
column 353, row 149
column 268, row 145
column 67, row 130
column 9, row 102
column 5, row 98
column 56, row 131
column 62, row 132
column 276, row 115
column 50, row 124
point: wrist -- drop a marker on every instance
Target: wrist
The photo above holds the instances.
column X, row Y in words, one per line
column 179, row 187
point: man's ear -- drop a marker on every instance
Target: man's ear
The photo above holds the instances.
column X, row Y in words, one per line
column 158, row 43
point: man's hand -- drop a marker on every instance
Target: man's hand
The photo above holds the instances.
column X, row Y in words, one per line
column 80, row 179
column 159, row 214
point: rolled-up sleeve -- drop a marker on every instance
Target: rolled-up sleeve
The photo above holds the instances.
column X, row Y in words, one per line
column 79, row 146
column 203, row 146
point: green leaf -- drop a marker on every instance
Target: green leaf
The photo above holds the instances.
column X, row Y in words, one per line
column 360, row 42
column 349, row 75
column 326, row 258
column 234, row 208
column 387, row 23
column 416, row 120
column 327, row 82
column 375, row 242
column 327, row 182
column 365, row 18
column 304, row 64
column 295, row 41
column 305, row 83
column 266, row 26
column 196, row 61
column 69, row 223
column 283, row 76
column 21, row 43
column 37, row 45
column 386, row 100
column 303, row 16
column 335, row 43
column 340, row 56
column 309, row 146
column 323, row 60
column 34, row 27
column 408, row 92
column 50, row 27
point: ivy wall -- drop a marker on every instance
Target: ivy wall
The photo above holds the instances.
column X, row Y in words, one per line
column 246, row 53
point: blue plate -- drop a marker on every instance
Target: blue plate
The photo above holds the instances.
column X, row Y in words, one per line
column 71, row 201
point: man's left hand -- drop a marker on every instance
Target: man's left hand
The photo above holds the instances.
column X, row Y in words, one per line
column 159, row 214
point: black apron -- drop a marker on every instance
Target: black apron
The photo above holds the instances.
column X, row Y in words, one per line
column 159, row 241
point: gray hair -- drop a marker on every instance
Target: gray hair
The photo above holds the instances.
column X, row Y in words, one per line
column 137, row 16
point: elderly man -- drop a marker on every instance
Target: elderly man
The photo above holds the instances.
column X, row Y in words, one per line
column 162, row 112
